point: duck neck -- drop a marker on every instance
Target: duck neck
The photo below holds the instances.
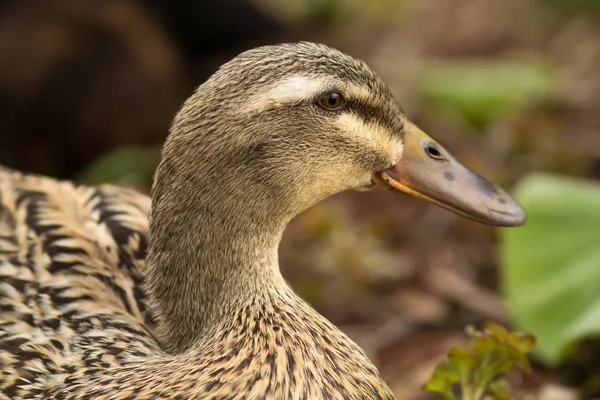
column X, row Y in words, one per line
column 211, row 253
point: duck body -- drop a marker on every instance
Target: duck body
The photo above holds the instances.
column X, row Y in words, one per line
column 75, row 324
column 106, row 294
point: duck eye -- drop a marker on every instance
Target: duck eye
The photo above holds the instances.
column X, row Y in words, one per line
column 331, row 101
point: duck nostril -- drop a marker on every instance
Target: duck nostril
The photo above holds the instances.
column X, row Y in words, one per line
column 433, row 151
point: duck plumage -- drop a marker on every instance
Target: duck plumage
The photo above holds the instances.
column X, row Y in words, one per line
column 73, row 310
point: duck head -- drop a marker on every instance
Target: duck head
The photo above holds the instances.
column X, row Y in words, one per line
column 282, row 127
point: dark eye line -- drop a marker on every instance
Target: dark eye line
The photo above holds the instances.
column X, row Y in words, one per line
column 362, row 109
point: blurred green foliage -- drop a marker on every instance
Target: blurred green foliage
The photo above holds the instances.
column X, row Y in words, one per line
column 125, row 166
column 342, row 11
column 476, row 373
column 569, row 7
column 551, row 266
column 481, row 90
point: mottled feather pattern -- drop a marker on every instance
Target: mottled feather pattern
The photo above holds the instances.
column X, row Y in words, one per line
column 266, row 354
column 74, row 323
column 70, row 262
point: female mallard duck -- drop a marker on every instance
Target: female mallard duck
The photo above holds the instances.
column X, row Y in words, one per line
column 271, row 133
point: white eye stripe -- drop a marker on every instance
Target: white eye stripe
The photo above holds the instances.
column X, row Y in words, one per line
column 291, row 89
column 298, row 88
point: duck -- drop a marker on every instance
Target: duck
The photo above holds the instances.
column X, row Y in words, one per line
column 106, row 293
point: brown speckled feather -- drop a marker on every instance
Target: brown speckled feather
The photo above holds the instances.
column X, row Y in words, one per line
column 70, row 262
column 74, row 324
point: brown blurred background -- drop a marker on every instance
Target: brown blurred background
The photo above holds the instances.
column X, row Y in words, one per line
column 88, row 89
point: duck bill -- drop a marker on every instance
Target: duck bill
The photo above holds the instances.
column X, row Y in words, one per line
column 428, row 172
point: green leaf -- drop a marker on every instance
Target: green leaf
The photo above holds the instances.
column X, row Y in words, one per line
column 500, row 389
column 523, row 342
column 498, row 331
column 491, row 353
column 444, row 376
column 464, row 362
column 447, row 372
column 517, row 357
column 486, row 347
column 551, row 266
column 491, row 371
column 479, row 90
column 436, row 384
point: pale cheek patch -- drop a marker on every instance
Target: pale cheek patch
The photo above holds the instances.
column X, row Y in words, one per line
column 373, row 135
